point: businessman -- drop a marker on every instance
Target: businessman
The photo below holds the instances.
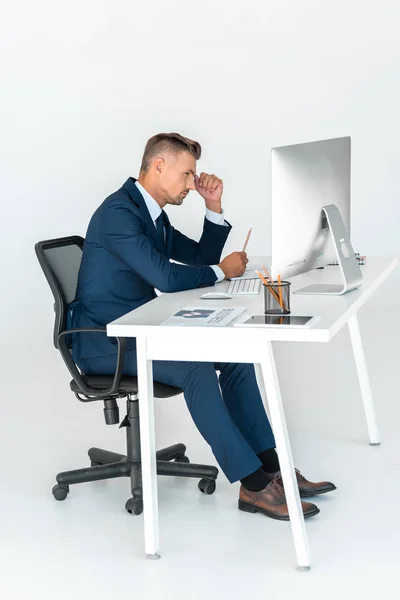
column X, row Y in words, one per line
column 126, row 256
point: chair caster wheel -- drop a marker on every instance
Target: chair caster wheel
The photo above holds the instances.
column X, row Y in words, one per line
column 60, row 491
column 182, row 459
column 94, row 463
column 134, row 506
column 207, row 486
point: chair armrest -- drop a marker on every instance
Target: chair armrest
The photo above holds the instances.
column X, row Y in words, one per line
column 72, row 368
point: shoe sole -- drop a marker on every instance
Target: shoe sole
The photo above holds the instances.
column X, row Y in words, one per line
column 311, row 494
column 250, row 508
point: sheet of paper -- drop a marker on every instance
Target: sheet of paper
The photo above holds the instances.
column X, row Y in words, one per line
column 212, row 316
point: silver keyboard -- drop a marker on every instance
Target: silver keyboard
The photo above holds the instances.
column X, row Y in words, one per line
column 244, row 287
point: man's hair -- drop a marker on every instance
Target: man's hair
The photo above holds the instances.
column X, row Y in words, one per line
column 168, row 142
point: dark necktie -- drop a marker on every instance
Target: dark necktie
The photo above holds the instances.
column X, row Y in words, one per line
column 160, row 228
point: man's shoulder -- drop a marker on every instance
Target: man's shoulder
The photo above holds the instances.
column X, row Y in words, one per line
column 120, row 196
column 118, row 208
column 120, row 199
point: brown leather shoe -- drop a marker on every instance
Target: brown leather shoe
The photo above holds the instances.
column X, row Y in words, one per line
column 272, row 502
column 306, row 488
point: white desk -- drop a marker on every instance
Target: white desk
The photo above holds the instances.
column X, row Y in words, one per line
column 251, row 345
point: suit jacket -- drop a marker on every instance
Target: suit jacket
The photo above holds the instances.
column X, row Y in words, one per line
column 124, row 260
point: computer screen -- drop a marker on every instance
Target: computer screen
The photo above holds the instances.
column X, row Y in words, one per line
column 304, row 178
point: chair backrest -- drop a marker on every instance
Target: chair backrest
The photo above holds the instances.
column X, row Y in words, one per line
column 60, row 260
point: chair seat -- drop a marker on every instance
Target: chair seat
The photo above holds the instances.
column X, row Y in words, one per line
column 128, row 385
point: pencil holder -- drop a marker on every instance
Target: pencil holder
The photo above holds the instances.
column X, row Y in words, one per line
column 277, row 298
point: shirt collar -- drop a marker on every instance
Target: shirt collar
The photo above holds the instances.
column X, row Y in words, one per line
column 152, row 206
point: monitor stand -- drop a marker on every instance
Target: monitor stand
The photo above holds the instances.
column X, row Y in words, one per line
column 350, row 270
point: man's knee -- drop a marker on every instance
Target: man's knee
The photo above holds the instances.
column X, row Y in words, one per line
column 239, row 369
column 200, row 372
column 183, row 374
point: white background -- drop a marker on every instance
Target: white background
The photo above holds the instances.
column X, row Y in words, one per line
column 85, row 83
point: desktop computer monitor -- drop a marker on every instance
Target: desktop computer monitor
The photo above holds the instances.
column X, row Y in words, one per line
column 310, row 211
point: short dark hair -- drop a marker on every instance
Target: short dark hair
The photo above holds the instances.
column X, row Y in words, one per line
column 172, row 142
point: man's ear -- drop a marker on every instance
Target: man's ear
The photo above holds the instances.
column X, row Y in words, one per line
column 159, row 165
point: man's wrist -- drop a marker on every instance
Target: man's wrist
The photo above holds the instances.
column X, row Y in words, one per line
column 214, row 208
column 220, row 273
column 216, row 218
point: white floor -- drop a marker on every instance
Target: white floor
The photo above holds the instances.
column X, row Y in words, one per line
column 89, row 547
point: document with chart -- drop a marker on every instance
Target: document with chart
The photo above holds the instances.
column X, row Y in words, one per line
column 204, row 317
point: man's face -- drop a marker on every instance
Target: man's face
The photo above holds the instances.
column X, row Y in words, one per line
column 177, row 178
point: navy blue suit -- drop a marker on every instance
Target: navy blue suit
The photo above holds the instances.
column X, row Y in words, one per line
column 123, row 260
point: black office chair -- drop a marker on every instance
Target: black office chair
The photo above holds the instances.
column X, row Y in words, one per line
column 60, row 260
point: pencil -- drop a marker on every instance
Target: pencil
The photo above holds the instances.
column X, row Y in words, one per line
column 268, row 285
column 268, row 276
column 280, row 291
column 247, row 240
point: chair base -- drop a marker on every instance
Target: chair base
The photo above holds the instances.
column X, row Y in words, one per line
column 108, row 465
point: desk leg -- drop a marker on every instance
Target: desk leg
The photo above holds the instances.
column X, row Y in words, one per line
column 148, row 449
column 261, row 386
column 278, row 423
column 364, row 380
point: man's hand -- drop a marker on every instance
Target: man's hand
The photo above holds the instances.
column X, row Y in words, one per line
column 234, row 264
column 210, row 187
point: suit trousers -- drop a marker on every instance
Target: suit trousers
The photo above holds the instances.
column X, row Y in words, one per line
column 228, row 413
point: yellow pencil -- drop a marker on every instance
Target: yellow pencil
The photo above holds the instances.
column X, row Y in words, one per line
column 268, row 285
column 280, row 291
column 268, row 276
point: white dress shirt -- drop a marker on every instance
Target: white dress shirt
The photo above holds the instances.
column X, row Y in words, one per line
column 155, row 211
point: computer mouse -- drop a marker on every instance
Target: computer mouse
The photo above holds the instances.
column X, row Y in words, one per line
column 216, row 296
